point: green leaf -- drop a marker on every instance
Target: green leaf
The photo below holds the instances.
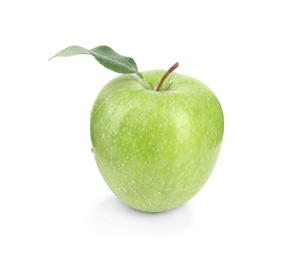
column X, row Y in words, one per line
column 114, row 61
column 71, row 51
column 105, row 56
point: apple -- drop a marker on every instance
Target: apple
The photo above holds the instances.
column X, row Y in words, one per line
column 156, row 149
column 156, row 137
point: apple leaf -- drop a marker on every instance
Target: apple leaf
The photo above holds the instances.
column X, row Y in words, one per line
column 71, row 51
column 105, row 56
column 114, row 61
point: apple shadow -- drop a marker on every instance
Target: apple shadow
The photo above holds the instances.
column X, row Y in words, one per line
column 114, row 217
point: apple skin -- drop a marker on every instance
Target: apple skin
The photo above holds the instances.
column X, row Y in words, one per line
column 156, row 149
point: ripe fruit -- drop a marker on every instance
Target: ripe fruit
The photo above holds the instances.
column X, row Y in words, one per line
column 156, row 137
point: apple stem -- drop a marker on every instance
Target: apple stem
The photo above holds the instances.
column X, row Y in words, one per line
column 171, row 69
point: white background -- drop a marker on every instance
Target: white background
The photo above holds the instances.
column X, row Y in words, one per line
column 53, row 202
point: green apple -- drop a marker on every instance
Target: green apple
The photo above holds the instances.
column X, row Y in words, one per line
column 155, row 135
column 156, row 149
